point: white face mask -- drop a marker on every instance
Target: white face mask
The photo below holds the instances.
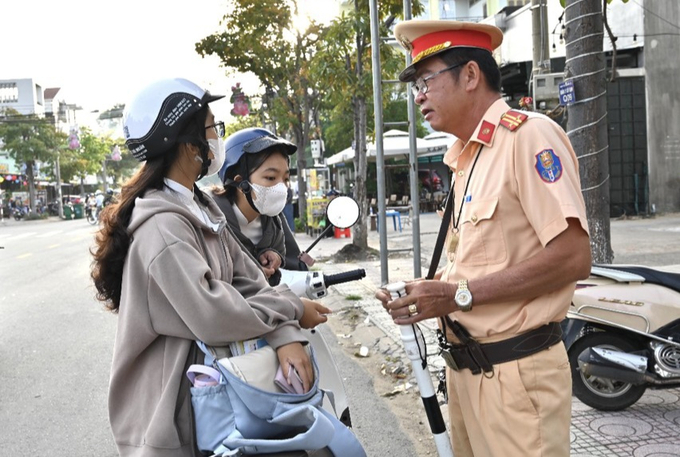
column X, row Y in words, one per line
column 217, row 148
column 270, row 201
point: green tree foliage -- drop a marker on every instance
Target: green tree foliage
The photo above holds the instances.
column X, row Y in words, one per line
column 86, row 160
column 240, row 123
column 119, row 171
column 260, row 38
column 338, row 131
column 343, row 64
column 30, row 140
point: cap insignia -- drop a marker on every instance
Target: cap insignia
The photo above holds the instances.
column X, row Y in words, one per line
column 406, row 43
column 432, row 50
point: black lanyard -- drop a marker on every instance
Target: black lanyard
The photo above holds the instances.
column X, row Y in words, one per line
column 448, row 209
column 467, row 184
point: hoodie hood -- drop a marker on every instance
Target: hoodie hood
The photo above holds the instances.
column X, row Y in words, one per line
column 167, row 201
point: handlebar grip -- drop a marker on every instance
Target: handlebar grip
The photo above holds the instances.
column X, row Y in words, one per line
column 347, row 276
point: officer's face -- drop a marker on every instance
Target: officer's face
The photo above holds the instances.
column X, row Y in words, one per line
column 439, row 104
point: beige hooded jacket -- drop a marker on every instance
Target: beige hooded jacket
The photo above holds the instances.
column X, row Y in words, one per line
column 171, row 296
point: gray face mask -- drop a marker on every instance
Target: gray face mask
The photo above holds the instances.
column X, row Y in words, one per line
column 269, row 201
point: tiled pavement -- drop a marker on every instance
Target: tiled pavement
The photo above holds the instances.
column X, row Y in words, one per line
column 650, row 428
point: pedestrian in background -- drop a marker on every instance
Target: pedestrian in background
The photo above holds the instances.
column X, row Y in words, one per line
column 288, row 210
column 516, row 246
column 165, row 263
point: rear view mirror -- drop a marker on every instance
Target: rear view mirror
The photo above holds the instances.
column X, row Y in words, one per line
column 343, row 212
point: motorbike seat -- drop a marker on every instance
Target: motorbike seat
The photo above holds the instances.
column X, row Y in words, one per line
column 651, row 275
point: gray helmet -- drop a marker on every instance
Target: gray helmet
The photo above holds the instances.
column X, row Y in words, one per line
column 154, row 118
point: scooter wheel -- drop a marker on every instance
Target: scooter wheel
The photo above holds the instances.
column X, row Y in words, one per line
column 602, row 393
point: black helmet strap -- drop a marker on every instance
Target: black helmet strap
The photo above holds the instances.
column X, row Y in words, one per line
column 245, row 187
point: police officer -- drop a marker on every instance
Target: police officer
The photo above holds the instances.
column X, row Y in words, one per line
column 517, row 243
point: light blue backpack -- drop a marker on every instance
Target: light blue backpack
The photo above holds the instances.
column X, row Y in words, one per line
column 235, row 418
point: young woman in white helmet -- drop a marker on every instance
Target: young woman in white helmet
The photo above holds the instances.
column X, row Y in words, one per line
column 254, row 193
column 166, row 264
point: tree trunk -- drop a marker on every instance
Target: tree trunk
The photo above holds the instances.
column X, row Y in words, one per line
column 360, row 166
column 587, row 117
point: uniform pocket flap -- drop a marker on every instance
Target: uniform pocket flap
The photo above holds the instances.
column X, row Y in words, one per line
column 480, row 210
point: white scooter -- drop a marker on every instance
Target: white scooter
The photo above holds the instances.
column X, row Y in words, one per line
column 342, row 212
column 622, row 334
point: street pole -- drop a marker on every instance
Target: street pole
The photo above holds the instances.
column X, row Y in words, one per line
column 379, row 154
column 540, row 38
column 59, row 201
column 413, row 162
column 104, row 175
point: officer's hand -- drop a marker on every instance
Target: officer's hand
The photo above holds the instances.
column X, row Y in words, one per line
column 314, row 314
column 431, row 299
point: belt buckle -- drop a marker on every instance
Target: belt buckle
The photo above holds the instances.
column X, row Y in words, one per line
column 450, row 361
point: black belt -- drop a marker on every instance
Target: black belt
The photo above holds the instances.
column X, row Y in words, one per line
column 477, row 357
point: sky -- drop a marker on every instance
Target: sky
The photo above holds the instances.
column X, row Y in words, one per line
column 101, row 53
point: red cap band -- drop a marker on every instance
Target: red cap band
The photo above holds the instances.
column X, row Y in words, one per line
column 436, row 41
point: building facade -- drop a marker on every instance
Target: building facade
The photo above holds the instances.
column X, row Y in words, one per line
column 643, row 100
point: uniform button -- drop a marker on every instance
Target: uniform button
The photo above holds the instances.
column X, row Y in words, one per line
column 474, row 218
column 461, row 173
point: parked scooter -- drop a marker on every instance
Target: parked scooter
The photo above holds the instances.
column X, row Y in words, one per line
column 622, row 334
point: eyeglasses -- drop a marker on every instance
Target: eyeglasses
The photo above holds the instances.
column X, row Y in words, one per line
column 420, row 84
column 219, row 128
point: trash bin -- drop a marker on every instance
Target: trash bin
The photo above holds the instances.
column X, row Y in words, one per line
column 68, row 212
column 78, row 210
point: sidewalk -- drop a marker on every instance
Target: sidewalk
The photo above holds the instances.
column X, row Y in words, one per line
column 647, row 428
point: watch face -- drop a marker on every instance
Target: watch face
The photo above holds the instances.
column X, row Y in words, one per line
column 463, row 298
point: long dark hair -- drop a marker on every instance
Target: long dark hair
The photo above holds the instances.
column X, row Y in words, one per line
column 245, row 166
column 113, row 240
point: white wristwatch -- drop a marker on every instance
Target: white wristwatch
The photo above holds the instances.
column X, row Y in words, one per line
column 463, row 296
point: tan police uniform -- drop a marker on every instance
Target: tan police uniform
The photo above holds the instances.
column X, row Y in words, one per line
column 523, row 188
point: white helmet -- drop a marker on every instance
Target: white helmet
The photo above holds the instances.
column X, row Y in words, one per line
column 154, row 118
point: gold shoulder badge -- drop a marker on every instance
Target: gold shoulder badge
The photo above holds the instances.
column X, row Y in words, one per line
column 513, row 119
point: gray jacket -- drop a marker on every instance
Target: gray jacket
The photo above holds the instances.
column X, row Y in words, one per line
column 171, row 296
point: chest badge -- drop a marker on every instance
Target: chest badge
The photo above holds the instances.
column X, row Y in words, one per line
column 548, row 166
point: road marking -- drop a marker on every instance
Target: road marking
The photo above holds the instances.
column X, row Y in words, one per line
column 23, row 256
column 52, row 233
column 19, row 237
column 665, row 229
column 54, row 246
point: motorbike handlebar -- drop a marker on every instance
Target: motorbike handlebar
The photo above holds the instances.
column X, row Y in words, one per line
column 347, row 276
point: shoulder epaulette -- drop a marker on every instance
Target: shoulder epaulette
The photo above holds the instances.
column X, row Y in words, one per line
column 513, row 119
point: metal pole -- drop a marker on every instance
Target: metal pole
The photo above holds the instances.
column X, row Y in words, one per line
column 540, row 38
column 60, row 203
column 413, row 163
column 379, row 153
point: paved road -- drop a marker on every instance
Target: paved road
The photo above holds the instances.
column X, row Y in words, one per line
column 55, row 346
column 56, row 343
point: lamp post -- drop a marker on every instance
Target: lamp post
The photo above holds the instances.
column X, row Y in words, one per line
column 115, row 156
